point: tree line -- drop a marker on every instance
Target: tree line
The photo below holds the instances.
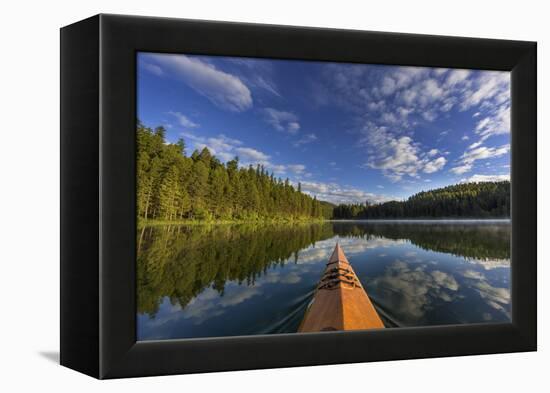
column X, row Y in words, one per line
column 173, row 186
column 468, row 200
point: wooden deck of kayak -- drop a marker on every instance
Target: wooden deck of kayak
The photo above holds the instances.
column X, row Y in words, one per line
column 340, row 302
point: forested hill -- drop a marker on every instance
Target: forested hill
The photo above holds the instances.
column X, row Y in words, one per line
column 173, row 186
column 468, row 200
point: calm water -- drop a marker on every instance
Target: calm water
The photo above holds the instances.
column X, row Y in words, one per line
column 230, row 280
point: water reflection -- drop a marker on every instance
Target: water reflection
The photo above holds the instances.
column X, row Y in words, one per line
column 179, row 262
column 219, row 280
column 410, row 291
column 474, row 239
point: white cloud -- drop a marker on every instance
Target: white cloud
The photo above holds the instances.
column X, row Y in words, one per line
column 483, row 152
column 388, row 86
column 489, row 264
column 209, row 303
column 276, row 277
column 435, row 165
column 398, row 156
column 293, row 127
column 389, row 118
column 461, row 169
column 394, row 101
column 267, row 85
column 421, row 95
column 183, row 120
column 485, row 88
column 376, row 106
column 296, row 168
column 400, row 99
column 475, row 144
column 282, row 121
column 152, row 68
column 226, row 149
column 429, row 116
column 221, row 146
column 418, row 100
column 476, row 152
column 448, row 104
column 444, row 280
column 473, row 274
column 223, row 89
column 308, row 138
column 490, row 92
column 352, row 246
column 432, row 88
column 411, row 291
column 256, row 73
column 405, row 76
column 455, row 77
column 250, row 154
column 408, row 96
column 485, row 178
column 495, row 297
column 335, row 193
column 277, row 169
column 495, row 124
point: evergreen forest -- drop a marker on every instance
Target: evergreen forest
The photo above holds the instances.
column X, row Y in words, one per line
column 172, row 186
column 465, row 200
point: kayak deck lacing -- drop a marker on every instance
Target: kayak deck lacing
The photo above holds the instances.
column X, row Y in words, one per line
column 339, row 277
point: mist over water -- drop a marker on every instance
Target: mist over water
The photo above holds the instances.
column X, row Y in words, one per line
column 243, row 279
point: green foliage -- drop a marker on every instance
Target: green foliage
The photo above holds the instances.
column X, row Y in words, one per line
column 172, row 186
column 180, row 261
column 477, row 241
column 468, row 200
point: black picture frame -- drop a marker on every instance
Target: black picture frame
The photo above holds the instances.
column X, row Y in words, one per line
column 98, row 220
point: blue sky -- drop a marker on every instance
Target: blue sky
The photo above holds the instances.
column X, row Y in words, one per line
column 347, row 132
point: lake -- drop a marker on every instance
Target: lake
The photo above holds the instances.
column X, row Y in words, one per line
column 244, row 279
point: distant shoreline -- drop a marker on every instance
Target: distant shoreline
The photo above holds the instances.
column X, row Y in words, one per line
column 424, row 220
column 145, row 223
column 142, row 223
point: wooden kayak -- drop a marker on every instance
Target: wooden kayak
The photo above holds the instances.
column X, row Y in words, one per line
column 340, row 302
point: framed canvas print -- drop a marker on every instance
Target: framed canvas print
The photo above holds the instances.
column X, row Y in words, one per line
column 239, row 196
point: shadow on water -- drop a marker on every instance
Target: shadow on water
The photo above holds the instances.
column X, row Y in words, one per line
column 292, row 316
column 385, row 315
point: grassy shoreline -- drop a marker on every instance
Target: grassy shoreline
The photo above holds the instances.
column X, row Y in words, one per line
column 142, row 223
column 155, row 222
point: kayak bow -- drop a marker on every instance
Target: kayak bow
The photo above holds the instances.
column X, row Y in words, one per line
column 340, row 302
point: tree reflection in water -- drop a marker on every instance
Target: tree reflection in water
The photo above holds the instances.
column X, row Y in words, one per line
column 181, row 262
